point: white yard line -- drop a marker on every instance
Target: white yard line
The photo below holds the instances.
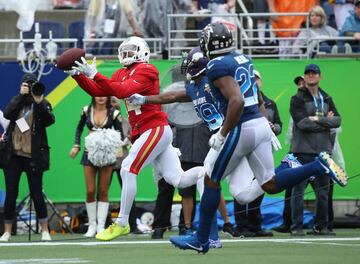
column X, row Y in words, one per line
column 44, row 261
column 138, row 242
column 328, row 243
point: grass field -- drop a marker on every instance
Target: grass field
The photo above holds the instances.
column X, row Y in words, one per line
column 340, row 249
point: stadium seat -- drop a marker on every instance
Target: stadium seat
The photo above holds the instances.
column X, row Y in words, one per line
column 76, row 30
column 57, row 29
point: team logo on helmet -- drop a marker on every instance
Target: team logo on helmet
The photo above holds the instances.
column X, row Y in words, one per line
column 194, row 64
column 216, row 38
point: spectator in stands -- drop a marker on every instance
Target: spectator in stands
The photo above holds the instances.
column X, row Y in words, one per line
column 262, row 23
column 110, row 19
column 98, row 115
column 27, row 151
column 341, row 11
column 314, row 114
column 351, row 27
column 285, row 37
column 67, row 4
column 213, row 7
column 317, row 28
column 155, row 21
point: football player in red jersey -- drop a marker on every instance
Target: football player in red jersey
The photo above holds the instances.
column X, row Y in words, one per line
column 151, row 134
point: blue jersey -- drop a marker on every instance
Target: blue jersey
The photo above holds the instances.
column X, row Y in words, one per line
column 241, row 69
column 204, row 104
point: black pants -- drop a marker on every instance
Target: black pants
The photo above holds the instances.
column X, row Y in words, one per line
column 163, row 204
column 287, row 208
column 188, row 192
column 249, row 215
column 132, row 216
column 13, row 171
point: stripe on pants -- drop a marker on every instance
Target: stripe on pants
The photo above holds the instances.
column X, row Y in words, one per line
column 225, row 154
column 146, row 149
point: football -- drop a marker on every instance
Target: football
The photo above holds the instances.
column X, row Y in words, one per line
column 68, row 57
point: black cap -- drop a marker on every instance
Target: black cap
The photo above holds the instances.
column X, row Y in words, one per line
column 313, row 68
column 356, row 2
column 28, row 77
column 298, row 78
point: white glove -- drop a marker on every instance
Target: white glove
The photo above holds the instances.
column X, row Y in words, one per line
column 216, row 141
column 136, row 99
column 275, row 143
column 88, row 69
column 72, row 72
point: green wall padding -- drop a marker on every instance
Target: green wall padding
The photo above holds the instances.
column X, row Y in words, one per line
column 65, row 181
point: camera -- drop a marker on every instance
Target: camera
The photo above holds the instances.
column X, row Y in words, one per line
column 36, row 88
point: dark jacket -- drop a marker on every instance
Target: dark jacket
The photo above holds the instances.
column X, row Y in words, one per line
column 193, row 143
column 42, row 118
column 308, row 136
column 272, row 114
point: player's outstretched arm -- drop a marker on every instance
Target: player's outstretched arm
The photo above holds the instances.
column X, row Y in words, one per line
column 163, row 98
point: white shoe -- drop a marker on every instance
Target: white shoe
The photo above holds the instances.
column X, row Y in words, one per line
column 5, row 237
column 91, row 232
column 45, row 236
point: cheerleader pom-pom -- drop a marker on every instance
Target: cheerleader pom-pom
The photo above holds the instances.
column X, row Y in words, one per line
column 102, row 146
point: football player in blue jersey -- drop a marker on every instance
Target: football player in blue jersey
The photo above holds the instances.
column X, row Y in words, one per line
column 245, row 134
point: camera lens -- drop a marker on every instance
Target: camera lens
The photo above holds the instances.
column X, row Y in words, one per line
column 38, row 89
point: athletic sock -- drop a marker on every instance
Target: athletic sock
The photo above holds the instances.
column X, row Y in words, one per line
column 127, row 197
column 208, row 207
column 214, row 233
column 287, row 178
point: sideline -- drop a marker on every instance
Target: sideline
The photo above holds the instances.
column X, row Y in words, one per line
column 149, row 242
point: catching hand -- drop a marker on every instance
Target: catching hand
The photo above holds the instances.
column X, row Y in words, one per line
column 275, row 143
column 216, row 141
column 72, row 72
column 87, row 69
column 136, row 99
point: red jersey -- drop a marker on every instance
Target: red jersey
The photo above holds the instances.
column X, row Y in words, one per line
column 141, row 78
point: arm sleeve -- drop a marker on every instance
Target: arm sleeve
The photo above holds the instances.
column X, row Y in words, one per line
column 117, row 125
column 277, row 121
column 301, row 118
column 12, row 110
column 80, row 129
column 331, row 122
column 44, row 114
column 299, row 41
column 346, row 27
column 140, row 81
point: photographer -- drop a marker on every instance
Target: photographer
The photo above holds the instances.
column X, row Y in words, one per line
column 26, row 150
